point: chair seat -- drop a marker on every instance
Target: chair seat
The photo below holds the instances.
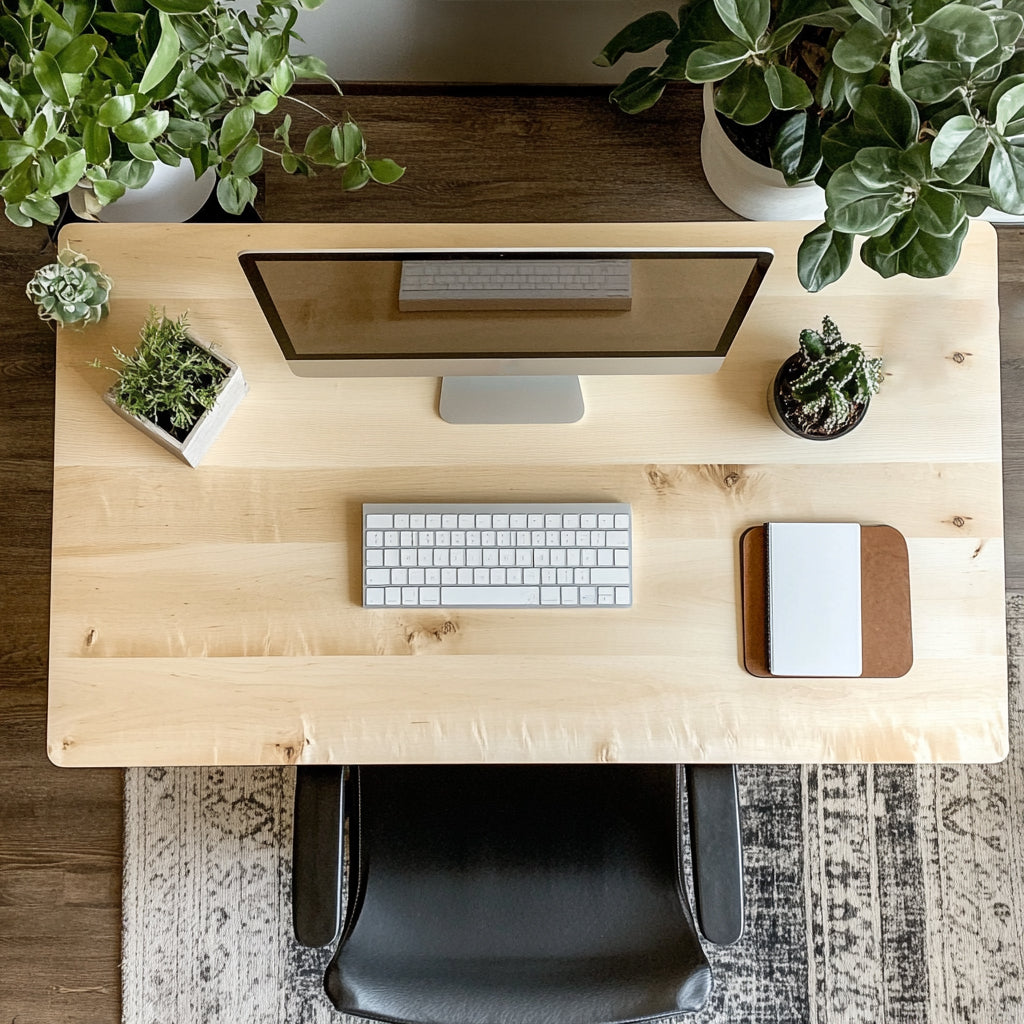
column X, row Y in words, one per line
column 488, row 894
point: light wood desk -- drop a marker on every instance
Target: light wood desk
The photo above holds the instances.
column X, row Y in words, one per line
column 212, row 616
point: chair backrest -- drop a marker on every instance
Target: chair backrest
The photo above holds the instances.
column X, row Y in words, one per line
column 533, row 894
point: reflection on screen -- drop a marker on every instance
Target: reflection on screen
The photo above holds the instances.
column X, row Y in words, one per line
column 346, row 305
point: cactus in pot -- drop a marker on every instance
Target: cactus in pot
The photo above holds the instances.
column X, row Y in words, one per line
column 71, row 292
column 823, row 390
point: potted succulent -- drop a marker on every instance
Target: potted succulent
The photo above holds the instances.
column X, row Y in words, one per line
column 113, row 93
column 909, row 116
column 822, row 391
column 175, row 388
column 72, row 292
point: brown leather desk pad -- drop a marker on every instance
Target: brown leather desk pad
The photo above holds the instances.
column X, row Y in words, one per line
column 888, row 649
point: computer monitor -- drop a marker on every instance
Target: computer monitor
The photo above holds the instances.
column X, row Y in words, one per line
column 503, row 358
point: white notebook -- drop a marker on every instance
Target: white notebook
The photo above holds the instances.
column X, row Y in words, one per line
column 814, row 610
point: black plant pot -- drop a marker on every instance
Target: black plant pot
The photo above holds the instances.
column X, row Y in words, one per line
column 779, row 405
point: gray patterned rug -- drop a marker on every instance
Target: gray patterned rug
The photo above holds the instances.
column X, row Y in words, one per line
column 876, row 895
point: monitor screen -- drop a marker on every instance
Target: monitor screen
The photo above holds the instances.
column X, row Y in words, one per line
column 511, row 313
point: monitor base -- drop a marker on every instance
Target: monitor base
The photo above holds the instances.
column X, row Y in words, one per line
column 511, row 399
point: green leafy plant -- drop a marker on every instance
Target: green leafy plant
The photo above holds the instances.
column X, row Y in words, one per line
column 912, row 120
column 170, row 379
column 830, row 383
column 99, row 91
column 72, row 291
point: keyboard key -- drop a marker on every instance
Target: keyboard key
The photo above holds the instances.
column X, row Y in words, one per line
column 498, row 596
column 599, row 575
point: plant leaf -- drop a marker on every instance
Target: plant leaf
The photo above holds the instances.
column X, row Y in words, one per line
column 1006, row 177
column 823, row 257
column 715, row 62
column 938, row 212
column 743, row 96
column 385, row 171
column 745, row 19
column 958, row 148
column 356, row 175
column 1008, row 108
column 181, row 6
column 859, row 209
column 888, row 115
column 924, row 255
column 283, row 77
column 955, row 32
column 96, row 140
column 872, row 12
column 638, row 91
column 235, row 128
column 47, row 73
column 165, row 56
column 68, row 172
column 248, row 160
column 234, row 193
column 120, row 23
column 860, row 49
column 787, row 90
column 930, row 83
column 115, row 111
column 637, row 36
column 878, row 167
column 143, row 129
column 13, row 152
column 796, row 151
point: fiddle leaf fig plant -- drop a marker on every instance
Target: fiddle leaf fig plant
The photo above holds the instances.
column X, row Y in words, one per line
column 99, row 91
column 911, row 117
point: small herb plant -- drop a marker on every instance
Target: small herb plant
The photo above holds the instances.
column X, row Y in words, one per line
column 71, row 291
column 830, row 383
column 170, row 379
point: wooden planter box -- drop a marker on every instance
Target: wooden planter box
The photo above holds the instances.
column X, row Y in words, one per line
column 207, row 427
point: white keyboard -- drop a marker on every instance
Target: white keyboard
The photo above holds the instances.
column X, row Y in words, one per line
column 497, row 555
column 515, row 284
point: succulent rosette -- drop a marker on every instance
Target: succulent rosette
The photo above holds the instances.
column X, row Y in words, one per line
column 72, row 291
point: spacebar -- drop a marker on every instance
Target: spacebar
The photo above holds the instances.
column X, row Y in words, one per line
column 493, row 596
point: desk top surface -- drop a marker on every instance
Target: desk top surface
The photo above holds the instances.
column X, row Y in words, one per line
column 213, row 616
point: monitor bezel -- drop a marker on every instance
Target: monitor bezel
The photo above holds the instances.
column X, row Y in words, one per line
column 434, row 364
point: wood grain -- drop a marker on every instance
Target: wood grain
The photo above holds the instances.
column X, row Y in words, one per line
column 214, row 616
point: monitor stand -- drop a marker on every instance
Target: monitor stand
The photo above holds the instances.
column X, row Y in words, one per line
column 511, row 399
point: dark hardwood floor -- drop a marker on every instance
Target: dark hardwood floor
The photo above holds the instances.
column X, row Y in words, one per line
column 472, row 155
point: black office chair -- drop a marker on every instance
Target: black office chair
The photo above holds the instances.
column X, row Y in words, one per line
column 504, row 894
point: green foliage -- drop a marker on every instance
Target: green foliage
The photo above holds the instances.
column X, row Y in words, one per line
column 100, row 90
column 913, row 119
column 169, row 380
column 836, row 378
column 71, row 291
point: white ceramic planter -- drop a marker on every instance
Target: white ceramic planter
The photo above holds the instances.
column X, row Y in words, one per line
column 172, row 195
column 747, row 187
column 761, row 193
column 206, row 428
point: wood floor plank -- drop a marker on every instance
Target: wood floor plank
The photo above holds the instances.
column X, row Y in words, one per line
column 60, row 832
